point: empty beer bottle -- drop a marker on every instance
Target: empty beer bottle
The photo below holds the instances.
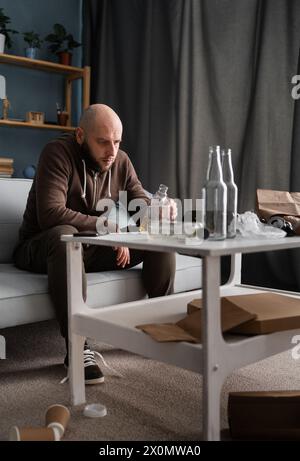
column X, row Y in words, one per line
column 232, row 192
column 215, row 197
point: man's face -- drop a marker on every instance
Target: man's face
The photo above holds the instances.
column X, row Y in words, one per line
column 103, row 144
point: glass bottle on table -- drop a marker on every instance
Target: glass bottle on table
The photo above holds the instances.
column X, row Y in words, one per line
column 158, row 219
column 232, row 193
column 215, row 197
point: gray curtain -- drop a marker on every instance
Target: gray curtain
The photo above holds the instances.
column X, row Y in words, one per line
column 185, row 74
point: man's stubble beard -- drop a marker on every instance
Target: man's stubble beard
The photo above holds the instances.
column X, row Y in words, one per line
column 88, row 153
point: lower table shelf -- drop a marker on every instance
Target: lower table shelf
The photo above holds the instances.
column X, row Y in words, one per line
column 116, row 325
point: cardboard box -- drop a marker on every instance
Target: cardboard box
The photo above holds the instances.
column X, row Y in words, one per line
column 271, row 312
column 190, row 327
column 272, row 415
column 231, row 314
column 246, row 314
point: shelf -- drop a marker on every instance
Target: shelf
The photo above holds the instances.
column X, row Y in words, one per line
column 69, row 73
column 45, row 126
column 72, row 72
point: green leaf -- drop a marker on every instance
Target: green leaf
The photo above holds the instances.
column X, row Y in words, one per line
column 60, row 40
column 51, row 38
column 60, row 31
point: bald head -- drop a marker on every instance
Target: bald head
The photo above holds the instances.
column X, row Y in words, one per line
column 98, row 115
column 100, row 133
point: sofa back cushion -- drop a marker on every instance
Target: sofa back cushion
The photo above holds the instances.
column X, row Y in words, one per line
column 13, row 199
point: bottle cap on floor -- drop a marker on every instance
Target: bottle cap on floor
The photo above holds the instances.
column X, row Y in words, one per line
column 95, row 410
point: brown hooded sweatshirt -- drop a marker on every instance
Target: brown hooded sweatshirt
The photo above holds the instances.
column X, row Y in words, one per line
column 68, row 185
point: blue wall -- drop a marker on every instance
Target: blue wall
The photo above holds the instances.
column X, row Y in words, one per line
column 35, row 90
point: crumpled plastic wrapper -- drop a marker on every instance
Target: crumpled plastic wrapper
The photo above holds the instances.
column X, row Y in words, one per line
column 249, row 225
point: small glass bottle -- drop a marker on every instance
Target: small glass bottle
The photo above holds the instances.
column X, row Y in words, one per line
column 159, row 213
column 232, row 192
column 161, row 197
column 215, row 197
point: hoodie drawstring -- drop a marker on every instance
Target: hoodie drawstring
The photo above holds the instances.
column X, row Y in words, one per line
column 83, row 195
column 109, row 181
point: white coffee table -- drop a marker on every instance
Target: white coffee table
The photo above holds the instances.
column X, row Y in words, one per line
column 215, row 358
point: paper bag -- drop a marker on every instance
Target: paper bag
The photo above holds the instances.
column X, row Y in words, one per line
column 280, row 203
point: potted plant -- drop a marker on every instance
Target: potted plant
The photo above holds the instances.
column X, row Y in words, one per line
column 34, row 43
column 62, row 44
column 5, row 31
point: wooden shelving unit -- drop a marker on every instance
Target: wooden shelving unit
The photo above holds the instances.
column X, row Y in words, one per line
column 69, row 72
column 44, row 126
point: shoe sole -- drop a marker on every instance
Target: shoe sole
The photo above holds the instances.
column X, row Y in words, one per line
column 91, row 381
column 94, row 381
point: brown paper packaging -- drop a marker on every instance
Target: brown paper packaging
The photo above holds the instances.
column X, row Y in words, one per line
column 282, row 203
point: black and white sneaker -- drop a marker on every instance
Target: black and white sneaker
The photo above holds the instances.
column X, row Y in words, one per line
column 92, row 372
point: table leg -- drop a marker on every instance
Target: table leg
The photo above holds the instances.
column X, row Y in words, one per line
column 235, row 270
column 76, row 369
column 212, row 342
column 76, row 341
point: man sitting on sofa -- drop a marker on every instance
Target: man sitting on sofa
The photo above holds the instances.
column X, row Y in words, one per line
column 74, row 172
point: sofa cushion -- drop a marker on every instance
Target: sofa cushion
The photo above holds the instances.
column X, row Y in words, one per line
column 24, row 295
column 13, row 198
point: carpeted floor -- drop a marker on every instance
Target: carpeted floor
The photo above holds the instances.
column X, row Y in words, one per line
column 153, row 401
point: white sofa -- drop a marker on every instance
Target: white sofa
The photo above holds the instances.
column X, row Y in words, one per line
column 24, row 295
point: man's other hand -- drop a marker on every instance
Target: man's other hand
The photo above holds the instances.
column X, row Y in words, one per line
column 123, row 256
